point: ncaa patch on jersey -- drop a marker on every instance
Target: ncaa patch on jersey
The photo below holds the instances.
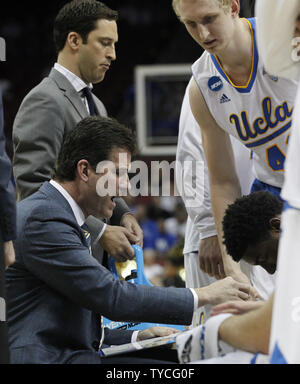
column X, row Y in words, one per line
column 215, row 83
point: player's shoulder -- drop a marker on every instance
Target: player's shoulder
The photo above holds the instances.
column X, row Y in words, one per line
column 198, row 103
column 203, row 62
column 46, row 89
column 204, row 72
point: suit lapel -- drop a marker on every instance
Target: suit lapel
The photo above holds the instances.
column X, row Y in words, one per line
column 97, row 110
column 77, row 103
column 52, row 193
column 69, row 92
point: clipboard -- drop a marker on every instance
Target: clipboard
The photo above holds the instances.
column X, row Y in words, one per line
column 139, row 345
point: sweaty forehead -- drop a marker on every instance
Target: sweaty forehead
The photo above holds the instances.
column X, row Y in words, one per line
column 190, row 9
column 106, row 29
column 120, row 157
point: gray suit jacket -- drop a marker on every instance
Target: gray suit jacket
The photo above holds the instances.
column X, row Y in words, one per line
column 46, row 115
column 56, row 290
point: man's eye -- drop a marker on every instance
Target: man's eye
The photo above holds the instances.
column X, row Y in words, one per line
column 191, row 24
column 209, row 20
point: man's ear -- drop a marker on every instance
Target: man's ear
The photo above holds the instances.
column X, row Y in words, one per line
column 74, row 40
column 275, row 223
column 235, row 8
column 83, row 170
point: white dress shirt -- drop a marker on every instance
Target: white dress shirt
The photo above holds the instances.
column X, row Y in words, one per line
column 76, row 81
column 80, row 218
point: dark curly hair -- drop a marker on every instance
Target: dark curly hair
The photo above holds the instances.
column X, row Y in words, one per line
column 92, row 139
column 246, row 221
column 79, row 16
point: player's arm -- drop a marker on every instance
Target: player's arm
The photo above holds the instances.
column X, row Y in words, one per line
column 224, row 183
column 210, row 258
column 251, row 331
column 277, row 46
column 191, row 166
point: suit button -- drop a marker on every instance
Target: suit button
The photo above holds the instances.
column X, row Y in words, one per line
column 95, row 345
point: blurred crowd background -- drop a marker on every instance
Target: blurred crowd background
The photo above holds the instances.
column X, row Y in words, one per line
column 149, row 33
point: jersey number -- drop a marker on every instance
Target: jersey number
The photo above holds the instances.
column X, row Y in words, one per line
column 275, row 158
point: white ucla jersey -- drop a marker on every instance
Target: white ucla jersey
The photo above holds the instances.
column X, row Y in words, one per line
column 285, row 335
column 291, row 186
column 189, row 149
column 285, row 331
column 258, row 114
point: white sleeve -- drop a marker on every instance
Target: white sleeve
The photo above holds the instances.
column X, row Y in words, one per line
column 202, row 342
column 192, row 178
column 275, row 36
column 201, row 213
column 199, row 207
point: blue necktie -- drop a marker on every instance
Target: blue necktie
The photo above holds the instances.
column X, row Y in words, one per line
column 87, row 235
column 88, row 94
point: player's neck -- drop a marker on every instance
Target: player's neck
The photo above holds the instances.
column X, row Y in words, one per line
column 236, row 59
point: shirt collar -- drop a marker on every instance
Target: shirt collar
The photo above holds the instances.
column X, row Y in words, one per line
column 76, row 81
column 79, row 216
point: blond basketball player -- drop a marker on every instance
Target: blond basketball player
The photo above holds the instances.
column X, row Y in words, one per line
column 232, row 94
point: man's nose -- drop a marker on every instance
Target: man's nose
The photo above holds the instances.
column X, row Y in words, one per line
column 111, row 53
column 203, row 32
column 124, row 185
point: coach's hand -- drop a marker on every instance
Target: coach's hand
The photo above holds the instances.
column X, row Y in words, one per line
column 221, row 291
column 210, row 257
column 151, row 332
column 117, row 242
column 9, row 253
column 130, row 222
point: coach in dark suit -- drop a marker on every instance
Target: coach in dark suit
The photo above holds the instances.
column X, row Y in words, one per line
column 56, row 290
column 85, row 33
column 7, row 232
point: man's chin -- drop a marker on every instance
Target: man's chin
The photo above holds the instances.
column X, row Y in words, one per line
column 98, row 79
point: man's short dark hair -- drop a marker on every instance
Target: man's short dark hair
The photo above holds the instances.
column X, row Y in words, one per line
column 246, row 221
column 79, row 16
column 92, row 139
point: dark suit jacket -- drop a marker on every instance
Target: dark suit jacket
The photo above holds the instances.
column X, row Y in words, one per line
column 7, row 227
column 56, row 289
column 7, row 194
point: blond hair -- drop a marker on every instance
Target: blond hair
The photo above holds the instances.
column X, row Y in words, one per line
column 225, row 4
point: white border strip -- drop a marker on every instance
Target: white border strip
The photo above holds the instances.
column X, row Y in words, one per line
column 141, row 73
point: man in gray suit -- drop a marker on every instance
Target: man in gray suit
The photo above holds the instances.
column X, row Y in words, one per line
column 57, row 292
column 85, row 34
